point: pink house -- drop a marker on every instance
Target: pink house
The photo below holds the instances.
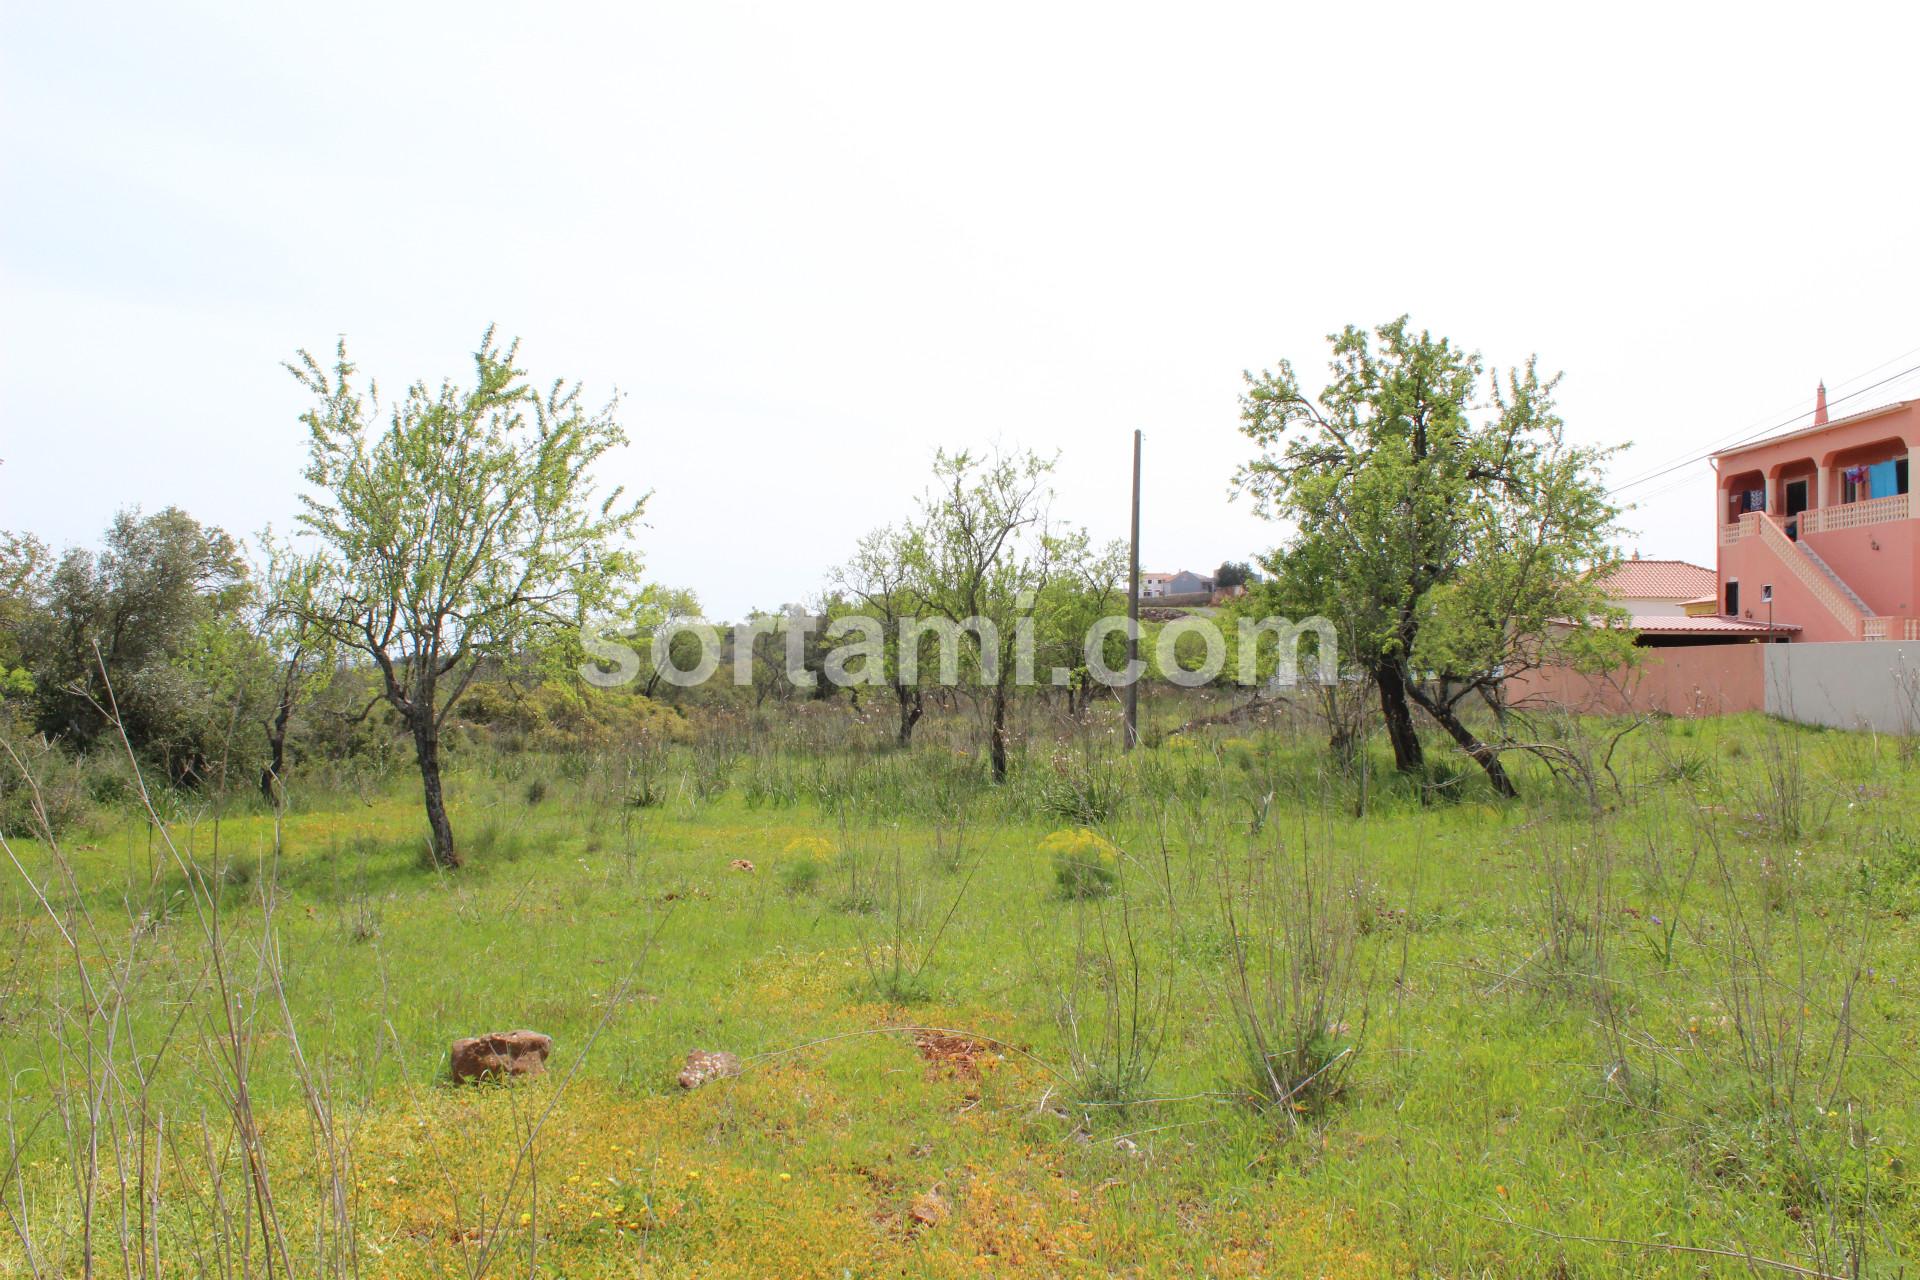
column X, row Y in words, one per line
column 1819, row 528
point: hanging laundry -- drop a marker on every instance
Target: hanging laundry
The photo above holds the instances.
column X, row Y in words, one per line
column 1880, row 480
column 1853, row 480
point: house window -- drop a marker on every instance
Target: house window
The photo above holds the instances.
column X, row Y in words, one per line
column 1733, row 599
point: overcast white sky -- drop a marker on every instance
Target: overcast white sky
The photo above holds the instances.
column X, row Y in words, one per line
column 811, row 243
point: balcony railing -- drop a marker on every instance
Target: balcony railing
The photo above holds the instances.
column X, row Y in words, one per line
column 1890, row 628
column 1745, row 527
column 1850, row 515
column 1853, row 515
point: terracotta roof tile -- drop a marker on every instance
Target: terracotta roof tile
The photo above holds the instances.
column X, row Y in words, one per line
column 1665, row 625
column 1659, row 580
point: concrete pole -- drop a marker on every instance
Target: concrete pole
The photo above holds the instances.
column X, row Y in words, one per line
column 1131, row 734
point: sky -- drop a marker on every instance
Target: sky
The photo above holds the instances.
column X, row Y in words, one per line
column 809, row 245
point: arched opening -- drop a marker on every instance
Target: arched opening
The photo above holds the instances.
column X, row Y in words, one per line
column 1869, row 472
column 1795, row 488
column 1742, row 492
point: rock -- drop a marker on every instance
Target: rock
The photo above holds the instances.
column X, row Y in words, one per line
column 704, row 1065
column 740, row 864
column 504, row 1053
column 929, row 1209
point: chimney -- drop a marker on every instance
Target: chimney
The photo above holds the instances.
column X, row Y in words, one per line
column 1820, row 405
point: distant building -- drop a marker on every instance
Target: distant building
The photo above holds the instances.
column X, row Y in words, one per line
column 1222, row 595
column 1154, row 585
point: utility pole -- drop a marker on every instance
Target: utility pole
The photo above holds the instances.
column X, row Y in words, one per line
column 1131, row 736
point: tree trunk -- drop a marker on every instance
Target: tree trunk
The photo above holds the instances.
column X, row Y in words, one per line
column 270, row 776
column 1080, row 695
column 426, row 746
column 1407, row 756
column 276, row 750
column 999, row 740
column 912, row 706
column 1487, row 758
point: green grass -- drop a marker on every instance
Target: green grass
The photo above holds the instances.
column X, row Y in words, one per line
column 1547, row 1019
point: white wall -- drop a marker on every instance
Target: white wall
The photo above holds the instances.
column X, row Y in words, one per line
column 1872, row 684
column 1646, row 607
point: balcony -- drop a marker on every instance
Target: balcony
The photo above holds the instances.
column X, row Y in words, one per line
column 1853, row 515
column 1850, row 515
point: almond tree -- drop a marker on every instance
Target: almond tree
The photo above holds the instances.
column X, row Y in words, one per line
column 464, row 527
column 303, row 654
column 979, row 556
column 1451, row 538
column 877, row 583
column 1090, row 584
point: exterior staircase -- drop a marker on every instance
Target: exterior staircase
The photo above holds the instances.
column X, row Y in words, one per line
column 1853, row 597
column 1841, row 600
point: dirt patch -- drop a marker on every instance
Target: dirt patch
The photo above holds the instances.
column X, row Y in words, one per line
column 957, row 1054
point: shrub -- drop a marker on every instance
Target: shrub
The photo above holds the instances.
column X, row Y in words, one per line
column 48, row 794
column 806, row 862
column 558, row 715
column 1686, row 767
column 815, row 848
column 801, row 877
column 1241, row 753
column 1889, row 873
column 1293, row 983
column 1444, row 779
column 1080, row 795
column 1085, row 863
column 495, row 840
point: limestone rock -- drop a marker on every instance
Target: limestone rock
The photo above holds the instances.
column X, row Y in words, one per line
column 703, row 1065
column 930, row 1209
column 502, row 1054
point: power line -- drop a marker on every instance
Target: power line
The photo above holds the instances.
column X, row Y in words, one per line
column 1683, row 459
column 1664, row 490
column 1758, row 435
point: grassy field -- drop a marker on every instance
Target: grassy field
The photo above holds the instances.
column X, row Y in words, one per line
column 1265, row 1017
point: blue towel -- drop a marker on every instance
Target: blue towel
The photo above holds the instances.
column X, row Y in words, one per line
column 1880, row 480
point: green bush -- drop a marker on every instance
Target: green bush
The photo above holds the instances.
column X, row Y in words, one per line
column 62, row 795
column 1085, row 863
column 801, row 877
column 1081, row 795
column 1446, row 779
